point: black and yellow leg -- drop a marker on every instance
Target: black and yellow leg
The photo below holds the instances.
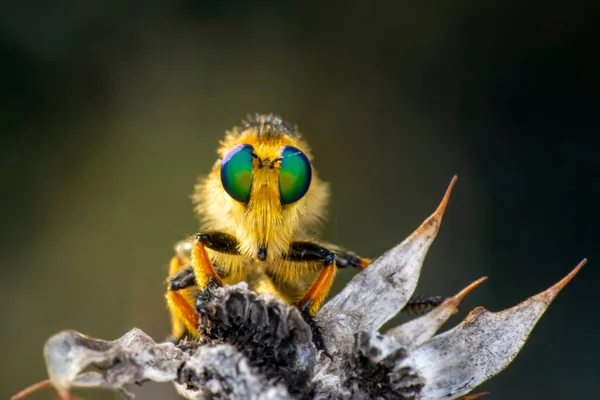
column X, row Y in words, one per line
column 179, row 302
column 200, row 273
column 310, row 303
column 312, row 300
column 204, row 271
column 183, row 315
column 318, row 290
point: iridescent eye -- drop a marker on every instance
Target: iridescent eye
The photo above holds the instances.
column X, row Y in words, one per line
column 295, row 174
column 236, row 172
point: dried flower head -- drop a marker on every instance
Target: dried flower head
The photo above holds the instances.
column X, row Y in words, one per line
column 257, row 347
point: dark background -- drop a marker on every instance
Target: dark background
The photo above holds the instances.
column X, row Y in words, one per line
column 109, row 111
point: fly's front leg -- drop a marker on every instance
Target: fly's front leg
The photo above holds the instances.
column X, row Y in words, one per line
column 206, row 277
column 308, row 251
column 185, row 310
column 311, row 301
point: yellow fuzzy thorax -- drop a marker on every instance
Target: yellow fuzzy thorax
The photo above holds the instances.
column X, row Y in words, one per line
column 264, row 220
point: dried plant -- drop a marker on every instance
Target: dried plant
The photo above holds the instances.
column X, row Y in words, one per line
column 257, row 347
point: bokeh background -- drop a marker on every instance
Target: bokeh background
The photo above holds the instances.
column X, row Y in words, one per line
column 110, row 110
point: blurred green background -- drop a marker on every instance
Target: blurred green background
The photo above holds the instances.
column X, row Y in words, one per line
column 109, row 112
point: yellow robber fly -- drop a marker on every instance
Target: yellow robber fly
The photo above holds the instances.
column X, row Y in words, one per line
column 259, row 207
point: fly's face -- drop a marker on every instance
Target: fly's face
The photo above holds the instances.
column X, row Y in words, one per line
column 268, row 179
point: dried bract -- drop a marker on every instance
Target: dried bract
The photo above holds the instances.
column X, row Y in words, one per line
column 257, row 347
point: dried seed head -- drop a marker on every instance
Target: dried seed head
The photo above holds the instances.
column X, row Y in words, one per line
column 259, row 347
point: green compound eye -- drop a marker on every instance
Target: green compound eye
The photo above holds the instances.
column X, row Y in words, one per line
column 295, row 174
column 236, row 172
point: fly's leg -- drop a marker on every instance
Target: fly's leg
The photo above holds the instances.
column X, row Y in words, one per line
column 178, row 300
column 183, row 316
column 312, row 300
column 200, row 273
